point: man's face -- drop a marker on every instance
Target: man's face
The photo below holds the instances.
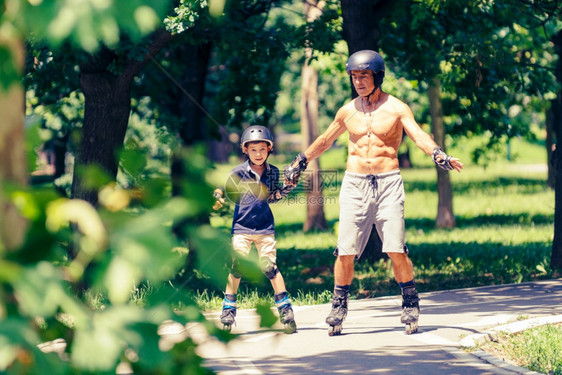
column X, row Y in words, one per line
column 363, row 81
column 257, row 152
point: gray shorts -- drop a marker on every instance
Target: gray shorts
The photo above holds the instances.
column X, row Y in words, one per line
column 367, row 200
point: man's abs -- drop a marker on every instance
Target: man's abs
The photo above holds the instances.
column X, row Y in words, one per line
column 366, row 165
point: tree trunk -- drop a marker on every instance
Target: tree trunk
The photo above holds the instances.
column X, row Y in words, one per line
column 106, row 113
column 556, row 108
column 106, row 116
column 196, row 58
column 315, row 218
column 13, row 168
column 550, row 144
column 60, row 147
column 445, row 216
column 361, row 20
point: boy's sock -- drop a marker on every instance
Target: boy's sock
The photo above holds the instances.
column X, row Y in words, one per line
column 282, row 299
column 229, row 301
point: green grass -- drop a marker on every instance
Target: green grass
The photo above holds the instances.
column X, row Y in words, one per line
column 537, row 349
column 503, row 234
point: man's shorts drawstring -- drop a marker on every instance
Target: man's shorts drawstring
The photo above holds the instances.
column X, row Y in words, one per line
column 373, row 180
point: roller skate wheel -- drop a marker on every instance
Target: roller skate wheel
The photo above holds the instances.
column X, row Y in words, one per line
column 290, row 327
column 411, row 328
column 227, row 327
column 334, row 330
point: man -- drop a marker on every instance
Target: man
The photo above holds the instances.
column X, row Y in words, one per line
column 372, row 191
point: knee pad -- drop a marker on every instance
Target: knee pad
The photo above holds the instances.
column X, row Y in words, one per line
column 235, row 269
column 268, row 268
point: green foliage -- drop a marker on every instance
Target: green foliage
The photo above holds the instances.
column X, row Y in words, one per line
column 9, row 72
column 486, row 63
column 537, row 349
column 87, row 24
column 185, row 15
column 106, row 254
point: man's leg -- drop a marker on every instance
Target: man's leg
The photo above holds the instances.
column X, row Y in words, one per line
column 402, row 267
column 343, row 275
column 343, row 269
column 404, row 275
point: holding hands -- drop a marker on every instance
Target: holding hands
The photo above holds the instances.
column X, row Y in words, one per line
column 292, row 172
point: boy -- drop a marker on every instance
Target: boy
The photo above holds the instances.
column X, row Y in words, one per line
column 253, row 185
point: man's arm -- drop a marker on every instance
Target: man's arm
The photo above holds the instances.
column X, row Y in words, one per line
column 327, row 139
column 426, row 143
column 293, row 171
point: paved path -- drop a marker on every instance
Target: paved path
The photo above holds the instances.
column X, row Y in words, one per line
column 373, row 341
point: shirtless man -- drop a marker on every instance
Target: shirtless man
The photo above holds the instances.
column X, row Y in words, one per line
column 372, row 191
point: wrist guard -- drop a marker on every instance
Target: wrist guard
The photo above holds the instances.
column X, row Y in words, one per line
column 293, row 171
column 279, row 194
column 441, row 159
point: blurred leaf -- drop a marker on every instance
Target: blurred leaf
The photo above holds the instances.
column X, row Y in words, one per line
column 249, row 267
column 93, row 176
column 121, row 278
column 18, row 341
column 154, row 190
column 99, row 345
column 133, row 161
column 212, row 249
column 9, row 72
column 144, row 249
column 268, row 318
column 41, row 291
column 9, row 271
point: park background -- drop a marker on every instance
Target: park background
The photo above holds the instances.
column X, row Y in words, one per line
column 119, row 120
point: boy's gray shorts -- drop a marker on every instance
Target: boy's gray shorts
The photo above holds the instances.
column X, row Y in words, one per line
column 367, row 200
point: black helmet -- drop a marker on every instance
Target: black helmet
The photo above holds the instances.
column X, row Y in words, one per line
column 256, row 133
column 365, row 60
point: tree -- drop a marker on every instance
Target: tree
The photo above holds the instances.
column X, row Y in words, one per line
column 556, row 111
column 106, row 113
column 315, row 218
column 13, row 168
column 473, row 62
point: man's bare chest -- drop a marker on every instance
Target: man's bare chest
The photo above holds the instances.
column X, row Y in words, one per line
column 379, row 123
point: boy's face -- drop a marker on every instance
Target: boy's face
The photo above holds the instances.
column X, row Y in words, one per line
column 257, row 152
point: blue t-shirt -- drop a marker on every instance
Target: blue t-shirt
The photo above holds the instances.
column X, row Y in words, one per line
column 252, row 214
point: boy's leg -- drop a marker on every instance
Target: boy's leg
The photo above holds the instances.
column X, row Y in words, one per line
column 268, row 257
column 241, row 245
column 228, row 311
column 232, row 285
column 278, row 283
